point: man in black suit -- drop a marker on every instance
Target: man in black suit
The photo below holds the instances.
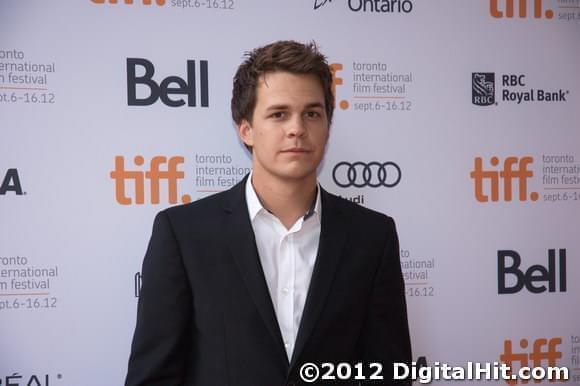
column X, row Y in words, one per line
column 244, row 287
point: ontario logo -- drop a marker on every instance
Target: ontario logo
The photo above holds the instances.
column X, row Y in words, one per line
column 377, row 6
column 320, row 3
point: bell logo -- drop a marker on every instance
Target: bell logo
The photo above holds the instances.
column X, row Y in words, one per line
column 553, row 274
column 172, row 85
column 11, row 183
column 154, row 175
column 544, row 354
column 496, row 11
column 130, row 2
column 337, row 81
column 521, row 174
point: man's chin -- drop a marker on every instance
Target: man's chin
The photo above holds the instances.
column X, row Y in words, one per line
column 297, row 174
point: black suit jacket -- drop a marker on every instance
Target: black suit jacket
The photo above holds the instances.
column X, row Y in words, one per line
column 205, row 316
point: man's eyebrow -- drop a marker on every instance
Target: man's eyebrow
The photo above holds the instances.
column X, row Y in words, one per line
column 277, row 107
column 286, row 107
column 315, row 104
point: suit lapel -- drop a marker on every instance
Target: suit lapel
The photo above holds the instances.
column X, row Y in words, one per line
column 242, row 245
column 332, row 238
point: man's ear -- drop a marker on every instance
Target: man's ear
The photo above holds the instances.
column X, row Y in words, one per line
column 246, row 132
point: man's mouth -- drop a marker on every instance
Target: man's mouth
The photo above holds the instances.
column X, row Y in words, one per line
column 296, row 150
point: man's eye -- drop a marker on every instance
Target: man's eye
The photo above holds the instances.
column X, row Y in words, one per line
column 278, row 114
column 313, row 114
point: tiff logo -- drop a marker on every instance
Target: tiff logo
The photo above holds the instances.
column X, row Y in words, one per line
column 337, row 81
column 129, row 2
column 154, row 176
column 508, row 11
column 544, row 354
column 514, row 168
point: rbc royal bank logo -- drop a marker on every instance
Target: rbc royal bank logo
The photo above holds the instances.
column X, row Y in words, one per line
column 483, row 88
column 160, row 169
column 511, row 88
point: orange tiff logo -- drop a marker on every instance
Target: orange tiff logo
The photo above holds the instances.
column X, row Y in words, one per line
column 130, row 2
column 508, row 10
column 153, row 176
column 544, row 354
column 514, row 168
column 337, row 81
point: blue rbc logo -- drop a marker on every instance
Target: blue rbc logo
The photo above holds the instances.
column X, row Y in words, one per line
column 483, row 88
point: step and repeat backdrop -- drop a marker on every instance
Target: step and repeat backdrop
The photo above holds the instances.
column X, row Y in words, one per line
column 461, row 119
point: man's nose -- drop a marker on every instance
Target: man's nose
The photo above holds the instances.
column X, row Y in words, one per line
column 296, row 127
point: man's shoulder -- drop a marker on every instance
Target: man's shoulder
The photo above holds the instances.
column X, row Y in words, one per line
column 362, row 224
column 205, row 204
column 202, row 212
column 358, row 213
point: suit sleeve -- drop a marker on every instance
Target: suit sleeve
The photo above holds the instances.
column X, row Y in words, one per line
column 158, row 352
column 386, row 336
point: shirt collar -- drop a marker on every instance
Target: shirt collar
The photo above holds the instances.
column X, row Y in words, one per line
column 255, row 206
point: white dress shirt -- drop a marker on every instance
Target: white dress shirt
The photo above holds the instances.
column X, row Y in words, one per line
column 287, row 257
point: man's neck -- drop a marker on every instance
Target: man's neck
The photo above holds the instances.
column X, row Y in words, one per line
column 287, row 200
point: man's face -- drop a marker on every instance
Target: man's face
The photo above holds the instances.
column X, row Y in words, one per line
column 289, row 129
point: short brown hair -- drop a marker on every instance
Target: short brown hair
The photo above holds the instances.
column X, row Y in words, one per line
column 285, row 55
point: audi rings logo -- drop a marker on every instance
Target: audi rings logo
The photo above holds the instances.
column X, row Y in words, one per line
column 372, row 174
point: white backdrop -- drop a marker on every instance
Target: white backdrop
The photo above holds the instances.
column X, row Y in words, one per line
column 70, row 246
